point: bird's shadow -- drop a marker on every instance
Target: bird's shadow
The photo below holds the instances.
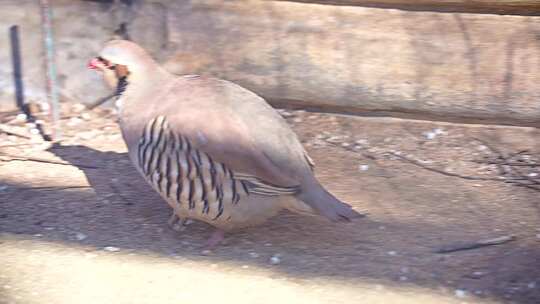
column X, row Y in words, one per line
column 122, row 191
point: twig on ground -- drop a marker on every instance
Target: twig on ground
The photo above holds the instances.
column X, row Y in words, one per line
column 479, row 244
column 13, row 132
column 100, row 101
column 16, row 145
column 503, row 163
column 50, row 188
column 47, row 161
column 511, row 169
column 119, row 193
column 416, row 163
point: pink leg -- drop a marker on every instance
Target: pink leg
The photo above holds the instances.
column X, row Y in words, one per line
column 215, row 239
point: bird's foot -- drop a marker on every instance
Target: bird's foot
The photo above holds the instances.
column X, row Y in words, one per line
column 177, row 223
column 215, row 239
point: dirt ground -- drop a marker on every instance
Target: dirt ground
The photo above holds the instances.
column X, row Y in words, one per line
column 87, row 229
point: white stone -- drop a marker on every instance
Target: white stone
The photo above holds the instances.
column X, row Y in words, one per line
column 275, row 259
column 80, row 236
column 438, row 131
column 363, row 167
column 430, row 135
column 460, row 293
column 111, row 249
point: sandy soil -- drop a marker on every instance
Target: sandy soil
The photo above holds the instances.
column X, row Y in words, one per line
column 91, row 231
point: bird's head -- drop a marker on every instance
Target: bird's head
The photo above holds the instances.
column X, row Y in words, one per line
column 120, row 59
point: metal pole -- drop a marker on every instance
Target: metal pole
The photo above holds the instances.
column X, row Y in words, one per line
column 52, row 86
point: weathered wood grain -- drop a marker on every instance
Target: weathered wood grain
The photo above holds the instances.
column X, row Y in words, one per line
column 464, row 67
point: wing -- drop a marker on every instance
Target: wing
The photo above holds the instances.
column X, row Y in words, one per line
column 184, row 172
column 231, row 125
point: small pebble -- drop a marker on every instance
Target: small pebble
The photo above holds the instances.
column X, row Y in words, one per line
column 477, row 274
column 460, row 293
column 533, row 174
column 345, row 145
column 403, row 278
column 254, row 255
column 45, row 107
column 438, row 131
column 87, row 135
column 297, row 119
column 361, row 142
column 245, row 266
column 78, row 107
column 430, row 135
column 392, row 253
column 86, row 116
column 286, row 114
column 74, row 121
column 21, row 117
column 111, row 249
column 267, row 244
column 34, row 131
column 275, row 259
column 363, row 167
column 80, row 236
column 207, row 252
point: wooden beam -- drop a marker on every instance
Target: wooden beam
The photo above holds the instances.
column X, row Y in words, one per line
column 503, row 7
column 454, row 67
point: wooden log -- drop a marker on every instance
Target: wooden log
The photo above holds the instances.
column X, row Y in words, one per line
column 515, row 7
column 453, row 67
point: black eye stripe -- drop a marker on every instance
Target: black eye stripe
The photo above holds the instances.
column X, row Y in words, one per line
column 107, row 63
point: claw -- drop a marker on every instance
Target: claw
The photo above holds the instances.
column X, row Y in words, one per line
column 177, row 223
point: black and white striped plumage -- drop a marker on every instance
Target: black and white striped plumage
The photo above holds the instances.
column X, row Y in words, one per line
column 189, row 179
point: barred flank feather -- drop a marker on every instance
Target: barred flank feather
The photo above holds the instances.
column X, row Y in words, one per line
column 191, row 177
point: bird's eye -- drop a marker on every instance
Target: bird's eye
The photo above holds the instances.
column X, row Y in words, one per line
column 107, row 63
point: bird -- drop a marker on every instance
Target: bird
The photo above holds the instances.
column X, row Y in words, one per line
column 214, row 151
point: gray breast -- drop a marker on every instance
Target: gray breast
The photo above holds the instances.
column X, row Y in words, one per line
column 190, row 178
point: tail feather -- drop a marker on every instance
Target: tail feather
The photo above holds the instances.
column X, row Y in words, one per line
column 326, row 204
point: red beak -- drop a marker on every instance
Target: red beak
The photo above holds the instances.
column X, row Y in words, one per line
column 93, row 64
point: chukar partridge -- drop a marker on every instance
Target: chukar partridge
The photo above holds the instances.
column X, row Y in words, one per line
column 213, row 150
